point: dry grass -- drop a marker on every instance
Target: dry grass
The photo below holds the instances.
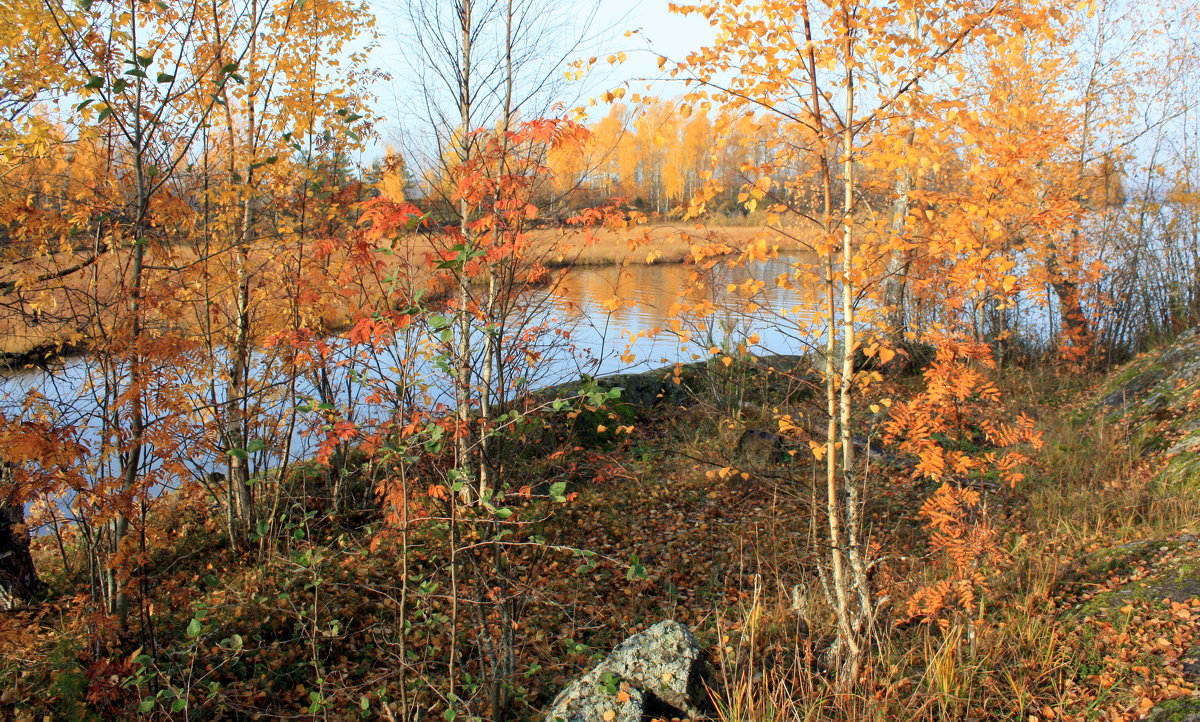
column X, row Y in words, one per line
column 1024, row 653
column 663, row 243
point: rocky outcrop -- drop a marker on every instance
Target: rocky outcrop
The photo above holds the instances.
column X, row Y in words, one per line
column 1156, row 380
column 653, row 673
column 1156, row 396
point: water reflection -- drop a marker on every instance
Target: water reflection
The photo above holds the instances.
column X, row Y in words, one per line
column 598, row 320
column 627, row 311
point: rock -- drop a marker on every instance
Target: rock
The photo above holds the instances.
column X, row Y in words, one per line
column 758, row 448
column 1131, row 390
column 1182, row 709
column 655, row 672
column 1185, row 709
column 1189, row 444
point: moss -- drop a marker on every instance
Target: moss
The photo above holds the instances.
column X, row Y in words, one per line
column 1177, row 580
column 1183, row 709
column 1130, row 372
column 1181, row 473
column 1117, row 559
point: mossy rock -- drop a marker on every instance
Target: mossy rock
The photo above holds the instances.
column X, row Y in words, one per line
column 1153, row 382
column 1127, row 388
column 1177, row 579
column 1114, row 560
column 1183, row 709
column 1182, row 472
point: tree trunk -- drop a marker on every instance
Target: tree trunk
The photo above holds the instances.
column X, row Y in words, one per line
column 895, row 281
column 18, row 578
column 1075, row 339
column 1076, row 335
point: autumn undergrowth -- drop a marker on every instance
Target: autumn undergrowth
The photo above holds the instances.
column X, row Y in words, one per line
column 690, row 518
column 1030, row 647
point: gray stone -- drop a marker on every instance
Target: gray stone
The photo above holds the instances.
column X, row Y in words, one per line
column 1189, row 444
column 653, row 672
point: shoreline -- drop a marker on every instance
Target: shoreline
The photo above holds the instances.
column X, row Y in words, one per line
column 656, row 245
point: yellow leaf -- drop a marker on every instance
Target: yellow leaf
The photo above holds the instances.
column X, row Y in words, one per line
column 727, row 361
column 886, row 354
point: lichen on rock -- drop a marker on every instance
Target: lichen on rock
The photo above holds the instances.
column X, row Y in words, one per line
column 657, row 671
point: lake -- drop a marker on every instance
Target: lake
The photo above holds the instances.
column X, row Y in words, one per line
column 584, row 334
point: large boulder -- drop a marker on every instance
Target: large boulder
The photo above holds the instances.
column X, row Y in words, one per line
column 653, row 673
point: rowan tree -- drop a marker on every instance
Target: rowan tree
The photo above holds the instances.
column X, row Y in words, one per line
column 853, row 86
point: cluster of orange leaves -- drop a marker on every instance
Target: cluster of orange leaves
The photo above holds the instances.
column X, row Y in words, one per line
column 955, row 413
column 953, row 431
column 38, row 454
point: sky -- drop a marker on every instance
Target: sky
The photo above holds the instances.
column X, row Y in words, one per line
column 658, row 31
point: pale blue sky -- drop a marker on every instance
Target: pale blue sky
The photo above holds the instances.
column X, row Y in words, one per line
column 659, row 31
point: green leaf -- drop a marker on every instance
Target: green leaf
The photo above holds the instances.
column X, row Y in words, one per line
column 256, row 445
column 136, row 72
column 504, row 512
column 165, row 77
column 104, row 113
column 610, row 682
column 194, row 628
column 145, row 60
column 636, row 569
column 238, row 453
column 146, row 705
column 94, row 82
column 231, row 67
column 179, row 704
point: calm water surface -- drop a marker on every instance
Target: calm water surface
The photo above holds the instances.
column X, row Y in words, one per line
column 586, row 336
